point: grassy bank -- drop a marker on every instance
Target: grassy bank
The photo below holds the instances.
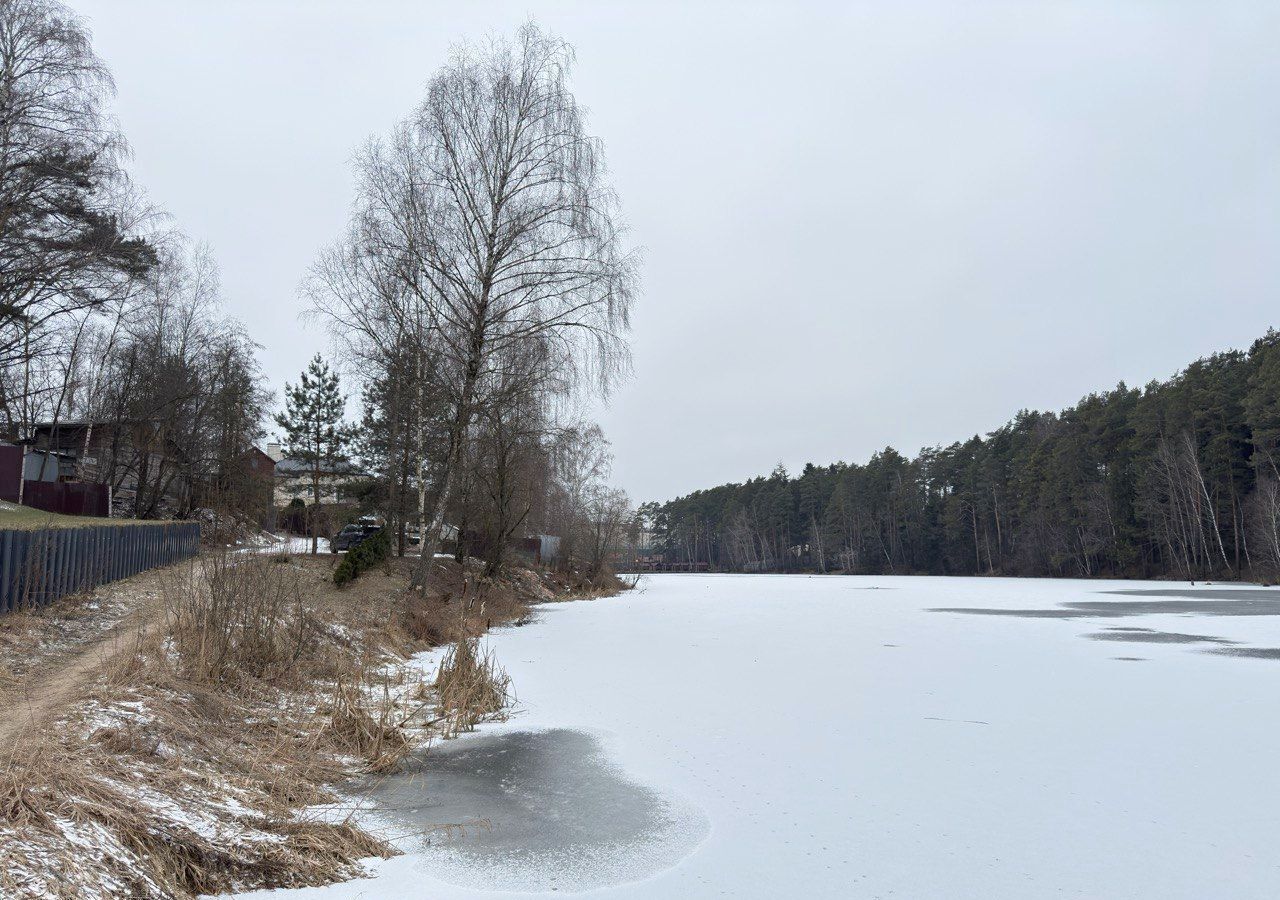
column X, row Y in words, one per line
column 29, row 519
column 202, row 753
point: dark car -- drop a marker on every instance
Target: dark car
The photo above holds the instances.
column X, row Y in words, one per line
column 351, row 535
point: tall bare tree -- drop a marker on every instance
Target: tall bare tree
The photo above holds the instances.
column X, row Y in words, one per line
column 490, row 213
column 67, row 214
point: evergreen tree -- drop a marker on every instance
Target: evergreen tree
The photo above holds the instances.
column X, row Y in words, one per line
column 1181, row 478
column 314, row 431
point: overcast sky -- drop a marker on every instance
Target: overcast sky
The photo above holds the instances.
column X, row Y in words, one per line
column 864, row 225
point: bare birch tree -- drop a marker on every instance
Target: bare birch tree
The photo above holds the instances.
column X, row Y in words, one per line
column 490, row 213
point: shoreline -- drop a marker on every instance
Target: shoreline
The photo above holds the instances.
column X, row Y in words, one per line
column 177, row 768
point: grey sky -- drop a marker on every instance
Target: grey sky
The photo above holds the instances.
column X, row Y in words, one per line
column 865, row 224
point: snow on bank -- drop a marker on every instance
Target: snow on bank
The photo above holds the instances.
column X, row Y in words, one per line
column 844, row 739
column 290, row 544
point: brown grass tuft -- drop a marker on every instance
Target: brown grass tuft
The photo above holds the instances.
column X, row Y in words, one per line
column 471, row 687
column 366, row 727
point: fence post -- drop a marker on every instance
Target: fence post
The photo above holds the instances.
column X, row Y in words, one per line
column 82, row 559
column 6, row 569
column 48, row 568
column 77, row 560
column 68, row 562
column 91, row 557
column 61, row 557
column 86, row 558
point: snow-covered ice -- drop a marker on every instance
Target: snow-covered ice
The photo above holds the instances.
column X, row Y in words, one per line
column 840, row 737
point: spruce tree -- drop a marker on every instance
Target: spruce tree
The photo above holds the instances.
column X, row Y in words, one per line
column 314, row 431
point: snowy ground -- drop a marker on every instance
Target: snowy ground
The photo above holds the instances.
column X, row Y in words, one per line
column 292, row 543
column 768, row 736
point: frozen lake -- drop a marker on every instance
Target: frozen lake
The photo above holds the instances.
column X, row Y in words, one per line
column 767, row 736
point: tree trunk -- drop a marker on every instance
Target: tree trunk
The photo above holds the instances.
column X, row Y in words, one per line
column 430, row 538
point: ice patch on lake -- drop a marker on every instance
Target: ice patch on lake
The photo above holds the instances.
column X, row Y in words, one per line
column 1152, row 636
column 536, row 811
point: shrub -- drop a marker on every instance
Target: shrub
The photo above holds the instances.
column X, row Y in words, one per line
column 237, row 614
column 293, row 518
column 363, row 557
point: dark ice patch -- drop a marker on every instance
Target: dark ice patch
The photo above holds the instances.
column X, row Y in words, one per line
column 1208, row 602
column 1150, row 636
column 1263, row 594
column 537, row 811
column 1022, row 613
column 1248, row 652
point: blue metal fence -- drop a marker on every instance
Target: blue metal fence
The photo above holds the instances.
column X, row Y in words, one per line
column 39, row 566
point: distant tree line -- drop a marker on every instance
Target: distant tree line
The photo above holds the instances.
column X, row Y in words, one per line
column 1178, row 479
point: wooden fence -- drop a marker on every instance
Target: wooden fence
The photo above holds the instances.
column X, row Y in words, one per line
column 41, row 565
column 70, row 498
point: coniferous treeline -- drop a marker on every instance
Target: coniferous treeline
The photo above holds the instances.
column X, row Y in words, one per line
column 1178, row 479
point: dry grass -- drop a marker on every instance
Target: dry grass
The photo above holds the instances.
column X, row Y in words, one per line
column 29, row 518
column 471, row 687
column 170, row 789
column 147, row 845
column 238, row 615
column 369, row 730
column 185, row 770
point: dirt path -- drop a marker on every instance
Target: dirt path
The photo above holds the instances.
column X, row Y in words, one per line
column 51, row 656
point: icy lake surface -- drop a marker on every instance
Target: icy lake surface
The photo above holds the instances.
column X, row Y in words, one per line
column 776, row 736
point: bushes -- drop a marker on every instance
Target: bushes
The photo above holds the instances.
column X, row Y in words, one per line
column 236, row 614
column 293, row 518
column 363, row 557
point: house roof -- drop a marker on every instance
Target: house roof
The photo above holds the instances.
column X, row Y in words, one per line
column 292, row 467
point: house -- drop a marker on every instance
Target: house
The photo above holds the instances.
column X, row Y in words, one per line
column 42, row 479
column 147, row 472
column 246, row 484
column 259, row 464
column 293, row 479
column 114, row 452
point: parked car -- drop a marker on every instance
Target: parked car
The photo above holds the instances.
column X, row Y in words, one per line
column 351, row 535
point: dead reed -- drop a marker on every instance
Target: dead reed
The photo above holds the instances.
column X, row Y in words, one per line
column 366, row 727
column 470, row 687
